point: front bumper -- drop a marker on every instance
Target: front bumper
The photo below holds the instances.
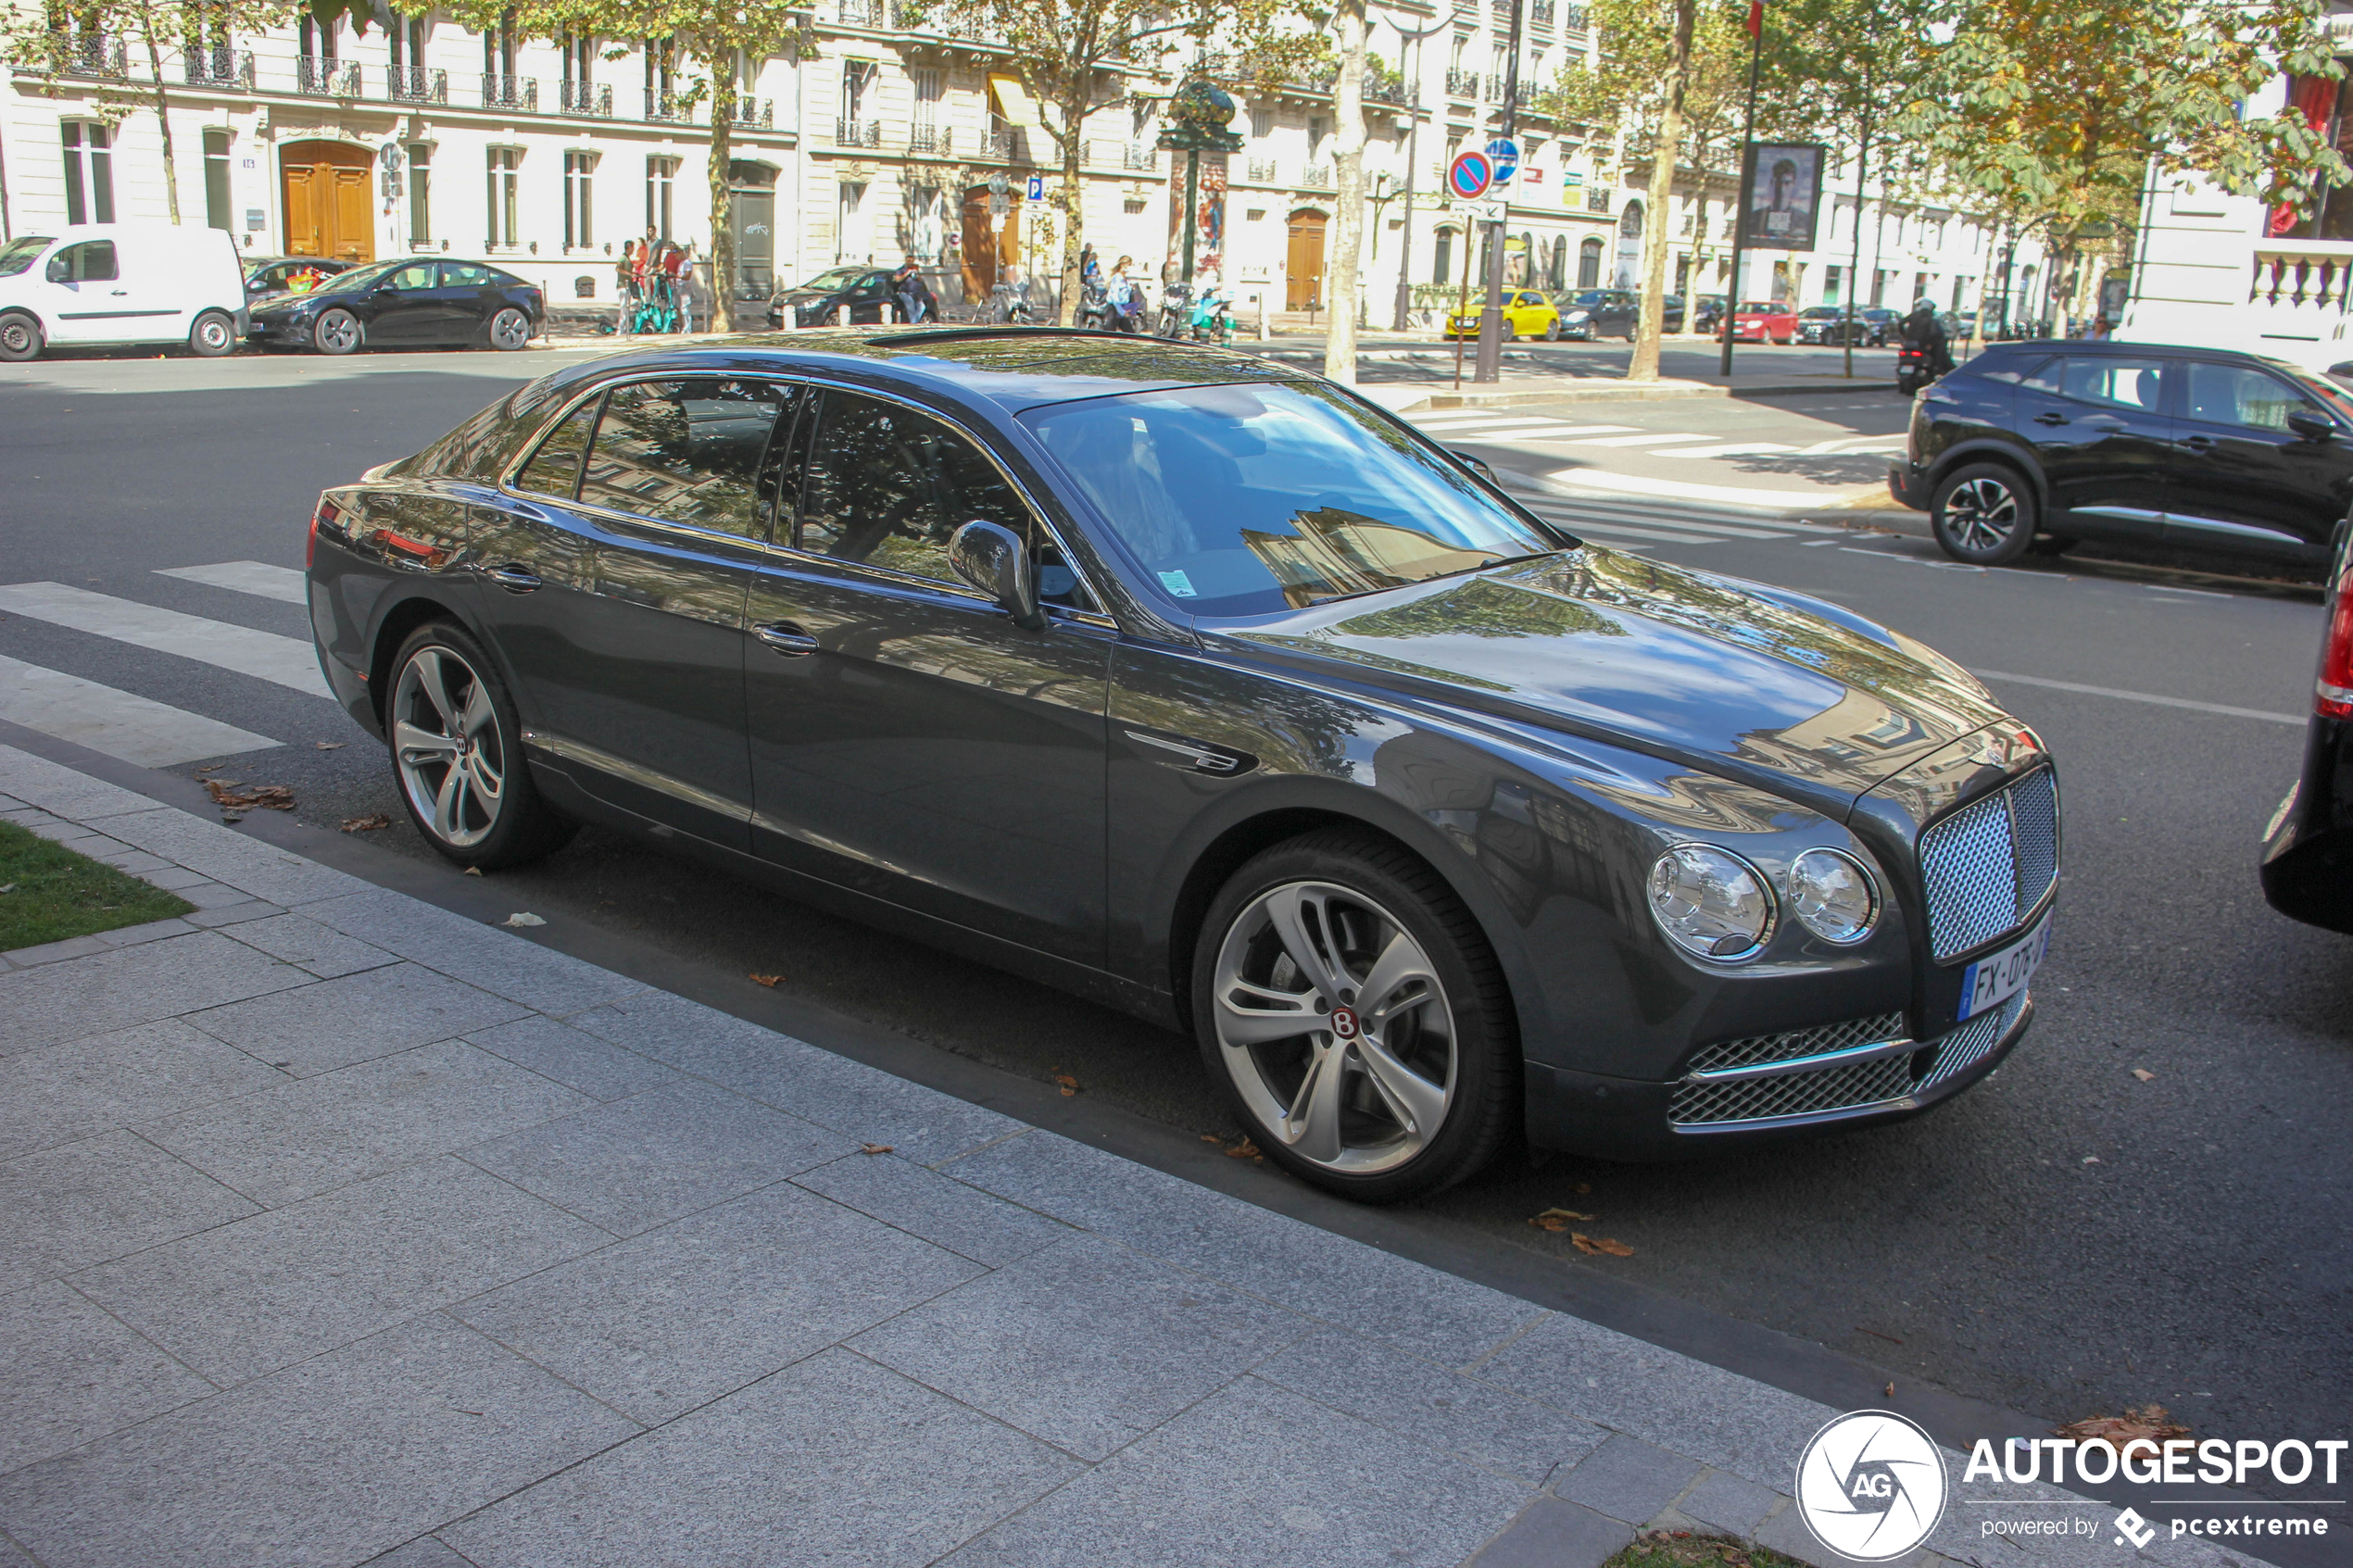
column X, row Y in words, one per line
column 277, row 329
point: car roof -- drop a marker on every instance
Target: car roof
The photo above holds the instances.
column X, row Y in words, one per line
column 2092, row 347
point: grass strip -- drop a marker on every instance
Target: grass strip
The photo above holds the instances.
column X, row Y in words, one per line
column 53, row 893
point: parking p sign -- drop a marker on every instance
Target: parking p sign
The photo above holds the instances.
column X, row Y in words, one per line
column 1037, row 187
column 1470, row 175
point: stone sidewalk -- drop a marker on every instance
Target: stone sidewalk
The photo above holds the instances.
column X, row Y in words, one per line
column 338, row 1228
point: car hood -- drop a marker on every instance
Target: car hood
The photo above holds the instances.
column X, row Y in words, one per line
column 286, row 304
column 1792, row 694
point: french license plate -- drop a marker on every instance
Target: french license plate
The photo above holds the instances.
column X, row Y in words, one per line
column 1997, row 977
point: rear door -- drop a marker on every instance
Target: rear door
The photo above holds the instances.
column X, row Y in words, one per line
column 2097, row 424
column 2241, row 477
column 462, row 301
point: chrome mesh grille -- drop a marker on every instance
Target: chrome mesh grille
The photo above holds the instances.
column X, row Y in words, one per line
column 1989, row 863
column 1837, row 1089
column 1798, row 1042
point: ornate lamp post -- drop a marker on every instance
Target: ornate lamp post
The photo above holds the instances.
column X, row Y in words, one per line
column 1201, row 111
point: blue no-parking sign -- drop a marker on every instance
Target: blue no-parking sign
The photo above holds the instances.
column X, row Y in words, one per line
column 1504, row 152
column 1470, row 175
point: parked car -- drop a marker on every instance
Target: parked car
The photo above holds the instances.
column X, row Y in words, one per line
column 1526, row 313
column 121, row 284
column 819, row 302
column 2039, row 444
column 1592, row 314
column 2307, row 851
column 1671, row 313
column 268, row 277
column 1710, row 316
column 1829, row 323
column 1759, row 319
column 1432, row 823
column 406, row 304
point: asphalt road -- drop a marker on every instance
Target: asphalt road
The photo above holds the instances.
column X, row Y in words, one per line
column 2068, row 1239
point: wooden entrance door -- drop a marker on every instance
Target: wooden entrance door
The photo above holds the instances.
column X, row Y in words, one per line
column 329, row 209
column 985, row 253
column 1304, row 267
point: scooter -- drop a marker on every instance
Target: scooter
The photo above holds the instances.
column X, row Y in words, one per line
column 1212, row 317
column 1094, row 309
column 1176, row 311
column 1913, row 369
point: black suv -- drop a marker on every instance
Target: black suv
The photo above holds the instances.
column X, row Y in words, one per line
column 2202, row 447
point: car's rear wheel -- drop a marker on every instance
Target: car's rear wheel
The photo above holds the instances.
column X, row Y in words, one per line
column 457, row 753
column 510, row 330
column 1348, row 1006
column 20, row 337
column 1982, row 513
column 337, row 332
column 212, row 335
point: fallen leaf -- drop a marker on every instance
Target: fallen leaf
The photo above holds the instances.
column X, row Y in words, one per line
column 1205, row 1137
column 1587, row 1244
column 2148, row 1421
column 1557, row 1220
column 224, row 792
column 365, row 825
column 2143, row 1075
column 522, row 919
column 1243, row 1150
column 473, row 870
column 330, row 745
column 770, row 981
column 1888, row 1392
column 1069, row 1084
column 873, row 1148
column 232, row 816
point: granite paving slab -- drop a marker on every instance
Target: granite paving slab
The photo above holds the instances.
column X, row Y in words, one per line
column 64, row 1093
column 329, row 1023
column 320, row 949
column 574, row 1058
column 943, row 1211
column 124, row 986
column 497, row 962
column 70, row 1371
column 104, row 1196
column 257, row 870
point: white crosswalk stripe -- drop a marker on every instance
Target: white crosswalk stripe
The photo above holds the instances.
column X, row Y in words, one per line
column 1723, row 449
column 280, row 583
column 288, row 662
column 1654, row 440
column 118, row 723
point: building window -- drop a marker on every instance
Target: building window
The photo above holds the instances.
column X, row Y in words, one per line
column 318, row 42
column 407, row 41
column 850, row 228
column 579, row 199
column 1589, row 263
column 660, row 174
column 419, row 194
column 931, row 85
column 216, row 181
column 505, row 183
column 499, row 48
column 579, row 51
column 89, row 172
column 662, row 60
column 1833, row 277
column 1878, row 288
column 1441, row 270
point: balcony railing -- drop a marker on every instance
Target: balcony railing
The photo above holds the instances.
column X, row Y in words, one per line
column 1597, row 198
column 1461, row 84
column 95, row 54
column 1573, row 18
column 1317, row 179
column 934, row 140
column 592, row 99
column 1140, row 154
column 1386, row 89
column 856, row 132
column 1262, row 170
column 757, row 113
column 860, row 13
column 1540, row 12
column 1525, row 97
column 326, row 77
column 220, row 66
column 1501, row 9
column 1007, row 144
column 511, row 92
column 415, row 85
column 668, row 108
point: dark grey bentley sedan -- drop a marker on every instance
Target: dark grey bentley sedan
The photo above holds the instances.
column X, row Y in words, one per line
column 1202, row 687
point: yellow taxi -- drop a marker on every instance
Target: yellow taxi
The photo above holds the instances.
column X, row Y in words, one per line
column 1526, row 314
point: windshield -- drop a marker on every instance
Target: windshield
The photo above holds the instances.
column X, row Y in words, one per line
column 21, row 254
column 2327, row 391
column 1761, row 307
column 358, row 278
column 839, row 278
column 1591, row 296
column 1253, row 500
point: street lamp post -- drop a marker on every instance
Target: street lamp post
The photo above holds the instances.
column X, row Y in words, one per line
column 1407, row 36
column 1490, row 319
column 1201, row 112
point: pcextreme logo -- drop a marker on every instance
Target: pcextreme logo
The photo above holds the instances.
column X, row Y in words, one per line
column 1871, row 1486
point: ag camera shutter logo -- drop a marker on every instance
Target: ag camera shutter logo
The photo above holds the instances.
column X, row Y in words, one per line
column 1871, row 1486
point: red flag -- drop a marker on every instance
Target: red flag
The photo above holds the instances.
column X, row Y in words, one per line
column 1757, row 18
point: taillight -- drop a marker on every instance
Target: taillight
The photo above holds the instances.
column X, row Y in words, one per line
column 2332, row 692
column 327, row 516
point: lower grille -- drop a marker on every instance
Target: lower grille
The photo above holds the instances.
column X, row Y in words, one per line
column 1794, row 1043
column 1703, row 1102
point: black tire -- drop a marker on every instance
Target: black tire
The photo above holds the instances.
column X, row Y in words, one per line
column 510, row 330
column 336, row 332
column 1983, row 513
column 212, row 335
column 1480, row 1114
column 19, row 338
column 520, row 827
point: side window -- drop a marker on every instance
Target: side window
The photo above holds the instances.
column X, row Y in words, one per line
column 685, row 451
column 464, row 275
column 554, row 470
column 2232, row 395
column 413, row 278
column 89, row 262
column 888, row 485
column 2116, row 383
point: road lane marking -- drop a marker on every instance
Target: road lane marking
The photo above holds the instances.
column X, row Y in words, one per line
column 1725, row 449
column 1606, row 531
column 289, row 661
column 119, row 723
column 1700, row 530
column 1747, row 496
column 1541, row 433
column 280, row 583
column 2225, row 708
column 1480, row 416
column 1641, row 440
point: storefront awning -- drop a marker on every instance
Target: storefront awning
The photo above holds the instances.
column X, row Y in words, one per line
column 1015, row 103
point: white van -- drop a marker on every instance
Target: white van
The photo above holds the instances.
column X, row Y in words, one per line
column 122, row 282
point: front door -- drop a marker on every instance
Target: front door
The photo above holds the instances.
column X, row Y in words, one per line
column 2241, row 476
column 402, row 306
column 85, row 297
column 752, row 201
column 2099, row 423
column 330, row 210
column 908, row 740
column 1303, row 267
column 979, row 254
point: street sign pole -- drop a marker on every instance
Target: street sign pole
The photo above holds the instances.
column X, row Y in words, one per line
column 1490, row 320
column 1748, row 178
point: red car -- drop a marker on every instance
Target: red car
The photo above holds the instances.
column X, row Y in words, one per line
column 1761, row 319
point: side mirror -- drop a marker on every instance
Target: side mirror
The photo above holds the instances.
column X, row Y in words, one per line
column 2310, row 424
column 990, row 558
column 1476, row 465
column 57, row 272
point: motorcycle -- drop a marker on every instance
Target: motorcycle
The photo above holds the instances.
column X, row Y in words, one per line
column 1094, row 309
column 1914, row 368
column 1176, row 311
column 1213, row 318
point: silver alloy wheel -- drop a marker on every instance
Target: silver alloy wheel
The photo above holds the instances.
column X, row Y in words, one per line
column 510, row 329
column 338, row 332
column 1980, row 514
column 1334, row 1027
column 446, row 743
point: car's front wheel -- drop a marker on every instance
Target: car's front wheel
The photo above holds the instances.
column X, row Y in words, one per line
column 337, row 332
column 1983, row 514
column 1349, row 1008
column 510, row 330
column 1552, row 331
column 457, row 751
column 19, row 338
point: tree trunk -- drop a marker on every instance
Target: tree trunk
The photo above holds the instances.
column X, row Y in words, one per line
column 1344, row 286
column 1074, row 203
column 1657, row 233
column 163, row 110
column 722, row 216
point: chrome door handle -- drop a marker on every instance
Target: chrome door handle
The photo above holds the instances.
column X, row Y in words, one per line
column 787, row 639
column 512, row 578
column 2197, row 443
column 2050, row 419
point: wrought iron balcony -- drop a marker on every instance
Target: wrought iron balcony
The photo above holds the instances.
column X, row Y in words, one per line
column 593, row 99
column 1317, row 179
column 860, row 13
column 1525, row 97
column 668, row 108
column 1540, row 12
column 952, row 23
column 1006, row 144
column 1386, row 89
column 935, row 141
column 856, row 132
column 327, row 79
column 1597, row 198
column 1140, row 154
column 1262, row 170
column 415, row 85
column 93, row 54
column 757, row 113
column 220, row 66
column 1461, row 84
column 511, row 92
column 1574, row 19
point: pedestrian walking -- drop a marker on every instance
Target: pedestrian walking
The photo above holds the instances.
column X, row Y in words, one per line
column 625, row 279
column 915, row 301
column 1126, row 309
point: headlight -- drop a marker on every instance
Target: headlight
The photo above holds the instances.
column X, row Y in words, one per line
column 1577, row 316
column 1833, row 896
column 1711, row 902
